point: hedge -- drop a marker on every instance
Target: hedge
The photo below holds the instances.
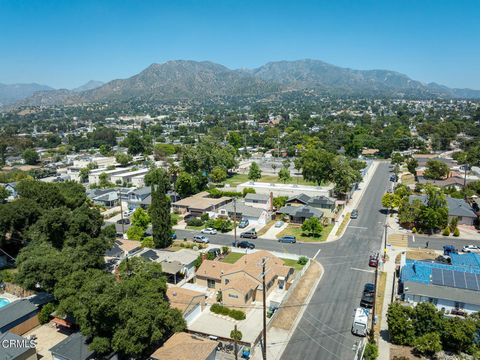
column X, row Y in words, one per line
column 223, row 310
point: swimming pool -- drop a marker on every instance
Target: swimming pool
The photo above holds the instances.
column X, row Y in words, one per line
column 3, row 302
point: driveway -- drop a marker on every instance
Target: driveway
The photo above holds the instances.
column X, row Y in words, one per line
column 272, row 233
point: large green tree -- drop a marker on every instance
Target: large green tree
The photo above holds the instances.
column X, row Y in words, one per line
column 436, row 170
column 254, row 173
column 159, row 209
column 30, row 156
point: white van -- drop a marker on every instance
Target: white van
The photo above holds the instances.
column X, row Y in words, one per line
column 360, row 322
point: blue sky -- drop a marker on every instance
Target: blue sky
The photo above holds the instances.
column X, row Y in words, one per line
column 66, row 43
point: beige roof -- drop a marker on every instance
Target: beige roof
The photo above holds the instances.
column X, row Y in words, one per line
column 129, row 245
column 201, row 201
column 181, row 298
column 370, row 151
column 183, row 346
column 243, row 284
column 250, row 264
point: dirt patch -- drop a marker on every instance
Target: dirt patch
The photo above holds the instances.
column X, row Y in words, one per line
column 289, row 311
column 420, row 254
column 402, row 352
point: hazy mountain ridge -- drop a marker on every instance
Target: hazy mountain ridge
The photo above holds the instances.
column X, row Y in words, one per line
column 184, row 79
column 11, row 93
column 90, row 85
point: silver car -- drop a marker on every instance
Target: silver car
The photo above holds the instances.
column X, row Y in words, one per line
column 201, row 239
column 210, row 231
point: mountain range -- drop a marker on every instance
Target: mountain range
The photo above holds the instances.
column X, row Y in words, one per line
column 184, row 79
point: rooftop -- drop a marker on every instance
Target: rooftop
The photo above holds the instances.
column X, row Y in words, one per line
column 201, row 201
column 14, row 352
column 73, row 347
column 180, row 298
column 15, row 310
column 183, row 346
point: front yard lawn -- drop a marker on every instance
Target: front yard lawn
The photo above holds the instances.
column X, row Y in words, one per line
column 296, row 231
column 241, row 178
column 190, row 227
column 232, row 257
column 293, row 263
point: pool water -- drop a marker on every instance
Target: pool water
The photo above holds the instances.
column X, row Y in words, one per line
column 3, row 302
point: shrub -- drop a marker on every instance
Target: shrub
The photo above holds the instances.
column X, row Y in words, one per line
column 223, row 310
column 148, row 242
column 247, row 190
column 219, row 296
column 371, row 351
column 302, row 260
column 205, row 217
column 217, row 193
column 211, row 256
column 195, row 222
column 446, row 231
column 225, row 250
column 174, row 218
column 456, row 232
column 44, row 314
column 428, row 344
column 414, row 230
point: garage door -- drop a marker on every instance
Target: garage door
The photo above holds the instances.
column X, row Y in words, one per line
column 194, row 313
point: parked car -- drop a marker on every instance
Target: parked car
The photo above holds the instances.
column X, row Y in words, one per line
column 201, row 239
column 243, row 223
column 373, row 261
column 250, row 234
column 124, row 221
column 471, row 249
column 210, row 231
column 174, row 236
column 367, row 296
column 288, row 239
column 127, row 213
column 449, row 249
column 354, row 214
column 245, row 245
column 279, row 224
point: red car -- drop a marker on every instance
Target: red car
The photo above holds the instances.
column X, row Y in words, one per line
column 373, row 261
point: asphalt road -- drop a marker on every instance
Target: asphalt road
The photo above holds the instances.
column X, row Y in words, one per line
column 324, row 330
column 437, row 243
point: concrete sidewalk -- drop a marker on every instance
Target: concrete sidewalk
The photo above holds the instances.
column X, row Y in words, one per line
column 353, row 203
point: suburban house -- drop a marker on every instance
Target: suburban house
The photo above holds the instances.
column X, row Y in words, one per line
column 12, row 189
column 189, row 302
column 200, row 203
column 108, row 199
column 122, row 248
column 298, row 214
column 453, row 181
column 457, row 208
column 184, row 346
column 262, row 201
column 134, row 177
column 22, row 350
column 19, row 317
column 94, row 176
column 137, row 198
column 177, row 265
column 241, row 282
column 326, row 204
column 286, row 189
column 453, row 288
column 74, row 347
column 243, row 211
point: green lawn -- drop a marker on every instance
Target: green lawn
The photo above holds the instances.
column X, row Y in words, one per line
column 343, row 224
column 189, row 227
column 296, row 231
column 241, row 178
column 293, row 263
column 232, row 257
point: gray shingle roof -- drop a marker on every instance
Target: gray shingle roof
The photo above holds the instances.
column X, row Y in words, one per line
column 456, row 207
column 301, row 211
column 15, row 310
column 243, row 209
column 301, row 197
column 73, row 348
column 442, row 292
column 257, row 197
column 11, row 352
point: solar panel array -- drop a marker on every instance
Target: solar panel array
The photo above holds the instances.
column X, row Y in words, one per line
column 456, row 279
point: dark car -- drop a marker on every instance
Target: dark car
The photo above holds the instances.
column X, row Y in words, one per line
column 243, row 223
column 368, row 296
column 288, row 239
column 174, row 236
column 245, row 245
column 251, row 234
column 354, row 214
column 214, row 251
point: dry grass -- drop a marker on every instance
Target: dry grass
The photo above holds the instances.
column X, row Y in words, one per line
column 419, row 254
column 381, row 284
column 343, row 225
column 290, row 309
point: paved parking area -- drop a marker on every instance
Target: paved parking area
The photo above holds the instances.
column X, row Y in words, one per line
column 47, row 337
column 274, row 231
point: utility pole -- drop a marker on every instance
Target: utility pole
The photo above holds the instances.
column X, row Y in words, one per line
column 235, row 221
column 264, row 260
column 235, row 342
column 374, row 298
column 385, row 243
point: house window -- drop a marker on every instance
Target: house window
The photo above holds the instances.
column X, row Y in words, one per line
column 459, row 305
column 211, row 284
column 233, row 296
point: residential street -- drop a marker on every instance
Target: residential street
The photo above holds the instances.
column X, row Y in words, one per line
column 324, row 331
column 437, row 243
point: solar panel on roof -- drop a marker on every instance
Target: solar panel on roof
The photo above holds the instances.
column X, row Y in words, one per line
column 437, row 277
column 459, row 278
column 471, row 281
column 448, row 278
